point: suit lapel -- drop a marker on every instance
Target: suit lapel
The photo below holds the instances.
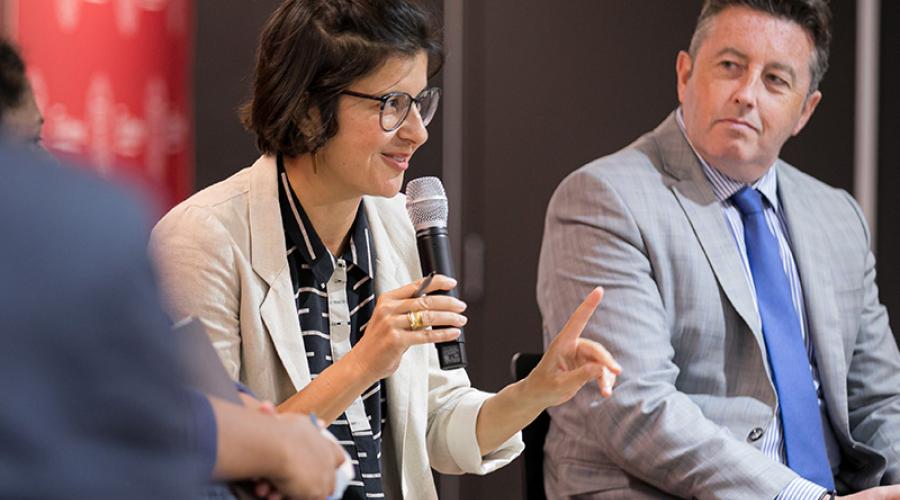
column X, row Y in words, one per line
column 704, row 211
column 268, row 259
column 809, row 244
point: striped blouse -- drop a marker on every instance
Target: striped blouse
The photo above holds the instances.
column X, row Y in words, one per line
column 335, row 297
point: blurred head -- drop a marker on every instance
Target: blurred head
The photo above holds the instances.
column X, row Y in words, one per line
column 310, row 51
column 20, row 118
column 750, row 79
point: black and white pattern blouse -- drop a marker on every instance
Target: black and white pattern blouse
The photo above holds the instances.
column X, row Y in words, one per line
column 335, row 297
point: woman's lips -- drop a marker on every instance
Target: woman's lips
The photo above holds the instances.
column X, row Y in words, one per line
column 398, row 161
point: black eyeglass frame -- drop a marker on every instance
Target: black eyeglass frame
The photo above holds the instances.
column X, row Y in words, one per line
column 383, row 99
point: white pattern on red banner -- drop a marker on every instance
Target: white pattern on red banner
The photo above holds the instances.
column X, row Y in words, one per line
column 112, row 78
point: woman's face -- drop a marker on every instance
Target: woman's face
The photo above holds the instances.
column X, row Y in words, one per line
column 363, row 159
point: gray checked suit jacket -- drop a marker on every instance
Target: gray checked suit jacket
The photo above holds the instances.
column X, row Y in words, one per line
column 679, row 316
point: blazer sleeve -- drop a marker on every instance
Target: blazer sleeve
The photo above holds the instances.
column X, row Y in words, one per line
column 648, row 427
column 196, row 261
column 873, row 381
column 453, row 407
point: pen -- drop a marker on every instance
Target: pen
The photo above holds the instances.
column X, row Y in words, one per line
column 420, row 291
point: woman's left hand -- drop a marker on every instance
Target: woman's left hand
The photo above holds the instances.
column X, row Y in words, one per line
column 571, row 361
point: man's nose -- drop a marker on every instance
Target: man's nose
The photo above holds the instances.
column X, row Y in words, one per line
column 747, row 91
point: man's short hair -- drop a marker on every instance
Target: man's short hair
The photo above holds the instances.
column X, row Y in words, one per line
column 12, row 77
column 814, row 16
column 311, row 50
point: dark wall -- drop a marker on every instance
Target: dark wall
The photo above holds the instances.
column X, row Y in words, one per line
column 888, row 243
column 549, row 88
column 227, row 32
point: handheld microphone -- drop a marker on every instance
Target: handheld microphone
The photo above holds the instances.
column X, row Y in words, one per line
column 426, row 203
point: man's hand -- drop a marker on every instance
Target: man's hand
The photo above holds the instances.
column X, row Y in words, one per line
column 308, row 459
column 288, row 450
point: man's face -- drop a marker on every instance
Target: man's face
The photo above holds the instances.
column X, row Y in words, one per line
column 24, row 122
column 746, row 91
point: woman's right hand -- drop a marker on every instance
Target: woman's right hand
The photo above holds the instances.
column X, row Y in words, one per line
column 389, row 332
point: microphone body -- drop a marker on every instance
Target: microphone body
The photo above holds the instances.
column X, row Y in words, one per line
column 426, row 203
column 434, row 255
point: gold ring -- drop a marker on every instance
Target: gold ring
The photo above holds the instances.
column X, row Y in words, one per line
column 416, row 320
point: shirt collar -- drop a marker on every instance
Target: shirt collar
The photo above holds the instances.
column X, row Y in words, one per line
column 303, row 238
column 722, row 185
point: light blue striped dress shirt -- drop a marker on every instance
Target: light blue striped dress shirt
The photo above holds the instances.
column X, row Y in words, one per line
column 724, row 187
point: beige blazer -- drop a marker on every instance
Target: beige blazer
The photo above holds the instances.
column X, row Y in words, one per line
column 221, row 258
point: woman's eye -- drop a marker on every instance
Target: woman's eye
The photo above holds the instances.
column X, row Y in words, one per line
column 394, row 102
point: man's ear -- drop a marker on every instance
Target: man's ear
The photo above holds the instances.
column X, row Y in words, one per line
column 808, row 108
column 683, row 67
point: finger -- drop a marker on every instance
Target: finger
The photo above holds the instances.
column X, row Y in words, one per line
column 576, row 378
column 580, row 317
column 606, row 381
column 439, row 282
column 338, row 455
column 267, row 408
column 436, row 319
column 433, row 336
column 431, row 303
column 262, row 489
column 587, row 350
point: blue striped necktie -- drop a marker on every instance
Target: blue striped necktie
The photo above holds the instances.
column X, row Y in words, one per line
column 804, row 440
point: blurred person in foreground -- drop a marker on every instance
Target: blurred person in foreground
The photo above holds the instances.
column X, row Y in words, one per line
column 95, row 406
column 741, row 297
column 303, row 267
column 20, row 118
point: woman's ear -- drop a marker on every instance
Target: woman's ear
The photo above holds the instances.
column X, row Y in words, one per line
column 311, row 126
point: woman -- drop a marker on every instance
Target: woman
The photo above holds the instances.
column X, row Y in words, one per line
column 304, row 266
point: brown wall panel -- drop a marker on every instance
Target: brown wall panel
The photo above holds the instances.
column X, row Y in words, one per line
column 888, row 242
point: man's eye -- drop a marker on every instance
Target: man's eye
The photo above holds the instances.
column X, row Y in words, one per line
column 777, row 81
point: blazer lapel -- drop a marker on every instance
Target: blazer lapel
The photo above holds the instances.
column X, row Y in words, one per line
column 267, row 257
column 391, row 273
column 704, row 211
column 809, row 244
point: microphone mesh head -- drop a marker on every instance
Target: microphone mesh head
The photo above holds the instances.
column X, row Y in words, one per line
column 426, row 203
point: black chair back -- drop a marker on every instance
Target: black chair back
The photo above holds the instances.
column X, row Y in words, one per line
column 533, row 434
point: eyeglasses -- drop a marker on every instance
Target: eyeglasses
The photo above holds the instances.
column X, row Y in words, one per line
column 395, row 106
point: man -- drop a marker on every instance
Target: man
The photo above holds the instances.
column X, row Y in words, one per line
column 20, row 118
column 94, row 404
column 740, row 292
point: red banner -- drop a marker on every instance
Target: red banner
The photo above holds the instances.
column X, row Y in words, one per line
column 112, row 78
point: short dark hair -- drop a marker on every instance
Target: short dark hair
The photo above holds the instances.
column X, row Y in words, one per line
column 311, row 50
column 12, row 77
column 814, row 16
